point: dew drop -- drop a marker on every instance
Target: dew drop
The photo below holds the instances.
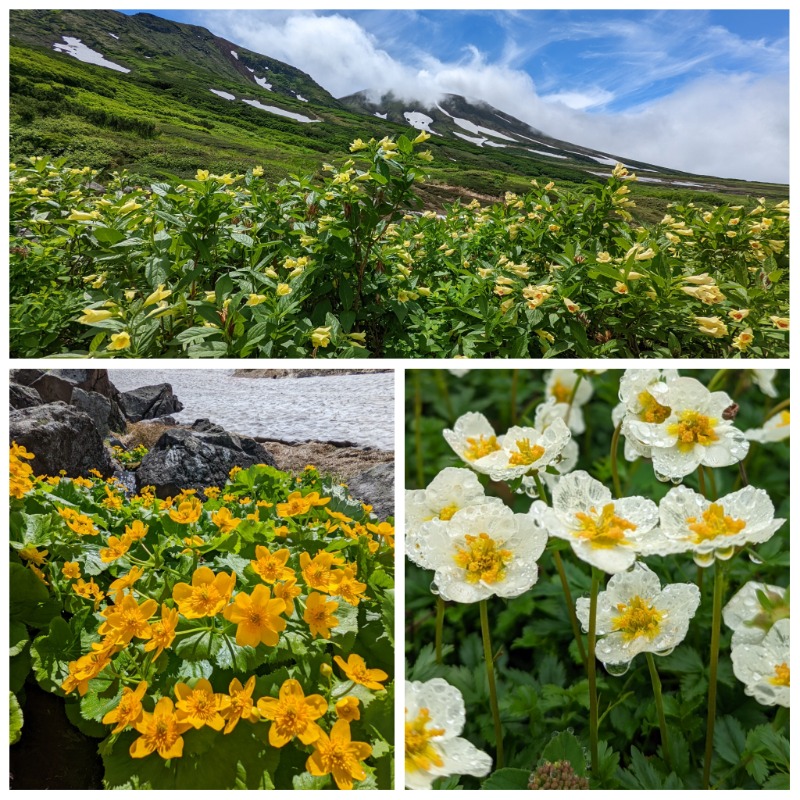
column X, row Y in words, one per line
column 676, row 481
column 664, row 652
column 755, row 558
column 571, row 730
column 703, row 559
column 617, row 670
column 434, row 589
column 725, row 553
column 662, row 478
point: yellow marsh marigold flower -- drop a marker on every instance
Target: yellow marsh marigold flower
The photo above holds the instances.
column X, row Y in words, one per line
column 319, row 573
column 241, row 704
column 33, row 554
column 350, row 589
column 272, row 567
column 89, row 590
column 87, row 667
column 287, row 591
column 117, row 547
column 127, row 619
column 356, row 669
column 160, row 732
column 385, row 530
column 79, row 523
column 207, row 596
column 71, row 570
column 295, row 505
column 91, row 316
column 224, row 520
column 124, row 582
column 162, row 631
column 319, row 615
column 188, row 511
column 338, row 755
column 20, row 473
column 347, row 709
column 137, row 530
column 129, row 709
column 120, row 341
column 257, row 616
column 200, row 706
column 212, row 492
column 293, row 714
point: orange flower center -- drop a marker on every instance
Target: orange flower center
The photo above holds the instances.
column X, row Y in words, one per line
column 293, row 716
column 638, row 618
column 561, row 392
column 420, row 753
column 480, row 446
column 652, row 410
column 606, row 530
column 693, row 428
column 526, row 454
column 715, row 522
column 781, row 676
column 482, row 559
column 447, row 512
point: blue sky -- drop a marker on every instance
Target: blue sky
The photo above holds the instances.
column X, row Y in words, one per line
column 686, row 84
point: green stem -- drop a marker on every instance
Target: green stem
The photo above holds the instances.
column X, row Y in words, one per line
column 701, row 477
column 781, row 719
column 718, row 378
column 439, row 628
column 514, row 389
column 716, row 616
column 418, row 430
column 775, row 409
column 441, row 382
column 591, row 669
column 576, row 630
column 572, row 394
column 487, row 654
column 614, row 464
column 662, row 720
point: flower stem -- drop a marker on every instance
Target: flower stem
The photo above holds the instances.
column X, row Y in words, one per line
column 439, row 628
column 717, row 380
column 775, row 409
column 572, row 394
column 701, row 477
column 418, row 429
column 716, row 617
column 614, row 465
column 591, row 668
column 514, row 389
column 487, row 654
column 662, row 720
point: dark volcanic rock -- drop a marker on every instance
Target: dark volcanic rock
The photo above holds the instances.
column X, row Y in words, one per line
column 57, row 384
column 150, row 402
column 99, row 408
column 23, row 396
column 25, row 377
column 184, row 458
column 61, row 437
column 376, row 487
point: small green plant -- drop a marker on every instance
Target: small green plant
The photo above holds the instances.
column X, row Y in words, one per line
column 130, row 457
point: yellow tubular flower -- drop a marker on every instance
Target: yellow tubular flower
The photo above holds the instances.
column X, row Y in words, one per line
column 157, row 296
column 293, row 714
column 91, row 316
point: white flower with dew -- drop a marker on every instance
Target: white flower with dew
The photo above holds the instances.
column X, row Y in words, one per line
column 691, row 523
column 451, row 490
column 473, row 439
column 523, row 450
column 775, row 429
column 635, row 615
column 484, row 550
column 435, row 716
column 764, row 667
column 765, row 380
column 560, row 385
column 606, row 533
column 753, row 610
column 694, row 434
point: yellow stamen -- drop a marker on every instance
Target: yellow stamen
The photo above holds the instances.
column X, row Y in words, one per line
column 420, row 753
column 482, row 559
column 638, row 618
column 561, row 392
column 447, row 512
column 605, row 531
column 526, row 453
column 652, row 410
column 781, row 676
column 693, row 428
column 480, row 446
column 715, row 522
column 784, row 423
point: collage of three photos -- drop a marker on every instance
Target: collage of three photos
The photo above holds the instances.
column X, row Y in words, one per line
column 528, row 525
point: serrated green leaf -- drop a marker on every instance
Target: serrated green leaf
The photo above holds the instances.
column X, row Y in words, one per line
column 565, row 747
column 729, row 739
column 507, row 778
column 305, row 781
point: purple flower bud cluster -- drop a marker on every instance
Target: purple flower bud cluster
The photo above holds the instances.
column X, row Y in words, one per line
column 557, row 775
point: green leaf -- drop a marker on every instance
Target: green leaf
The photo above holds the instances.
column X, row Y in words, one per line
column 18, row 638
column 242, row 238
column 778, row 781
column 508, row 778
column 200, row 645
column 307, row 781
column 565, row 747
column 19, row 669
column 31, row 602
column 729, row 739
column 108, row 235
column 16, row 719
column 51, row 653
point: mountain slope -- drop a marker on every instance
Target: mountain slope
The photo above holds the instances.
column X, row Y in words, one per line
column 161, row 98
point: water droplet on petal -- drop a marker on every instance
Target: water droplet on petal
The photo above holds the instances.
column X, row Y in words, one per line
column 676, row 481
column 618, row 670
column 664, row 652
column 754, row 558
column 434, row 589
column 703, row 559
column 662, row 478
column 725, row 553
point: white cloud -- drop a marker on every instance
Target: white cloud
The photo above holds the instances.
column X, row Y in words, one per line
column 730, row 125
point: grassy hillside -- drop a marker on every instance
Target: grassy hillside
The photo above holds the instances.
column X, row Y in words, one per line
column 160, row 120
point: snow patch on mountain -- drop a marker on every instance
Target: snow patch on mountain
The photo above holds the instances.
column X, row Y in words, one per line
column 113, row 35
column 280, row 111
column 235, row 54
column 262, row 82
column 473, row 128
column 77, row 49
column 545, row 153
column 382, row 116
column 223, row 95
